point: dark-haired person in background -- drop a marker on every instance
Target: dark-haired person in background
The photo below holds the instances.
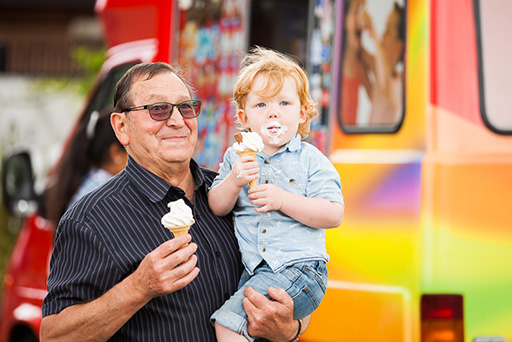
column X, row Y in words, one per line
column 92, row 157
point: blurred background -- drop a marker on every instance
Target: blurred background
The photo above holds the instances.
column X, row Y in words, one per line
column 425, row 247
column 49, row 53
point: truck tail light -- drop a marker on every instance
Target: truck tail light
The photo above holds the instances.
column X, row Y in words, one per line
column 442, row 318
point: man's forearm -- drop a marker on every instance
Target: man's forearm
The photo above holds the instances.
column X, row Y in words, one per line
column 97, row 320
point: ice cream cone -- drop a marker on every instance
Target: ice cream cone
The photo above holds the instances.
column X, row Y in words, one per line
column 178, row 231
column 248, row 153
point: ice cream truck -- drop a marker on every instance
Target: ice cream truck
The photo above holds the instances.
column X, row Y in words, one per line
column 415, row 114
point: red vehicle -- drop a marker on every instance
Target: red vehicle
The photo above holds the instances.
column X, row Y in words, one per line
column 425, row 248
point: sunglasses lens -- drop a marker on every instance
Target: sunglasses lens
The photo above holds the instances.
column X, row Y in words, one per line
column 160, row 111
column 189, row 109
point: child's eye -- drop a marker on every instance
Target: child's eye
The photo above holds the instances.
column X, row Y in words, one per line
column 284, row 103
column 260, row 105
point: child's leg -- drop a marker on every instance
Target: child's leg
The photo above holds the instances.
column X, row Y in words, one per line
column 305, row 282
column 226, row 335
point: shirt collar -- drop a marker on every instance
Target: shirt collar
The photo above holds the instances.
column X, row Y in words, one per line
column 293, row 145
column 154, row 187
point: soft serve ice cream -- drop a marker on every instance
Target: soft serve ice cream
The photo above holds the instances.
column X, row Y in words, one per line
column 248, row 143
column 179, row 219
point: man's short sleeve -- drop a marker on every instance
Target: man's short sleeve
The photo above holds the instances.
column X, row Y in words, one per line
column 80, row 269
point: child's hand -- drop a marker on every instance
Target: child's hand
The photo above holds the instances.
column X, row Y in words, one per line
column 244, row 170
column 267, row 197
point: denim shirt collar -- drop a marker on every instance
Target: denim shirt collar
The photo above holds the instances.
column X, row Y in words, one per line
column 293, row 145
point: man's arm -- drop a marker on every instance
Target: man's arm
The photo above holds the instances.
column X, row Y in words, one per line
column 272, row 319
column 161, row 272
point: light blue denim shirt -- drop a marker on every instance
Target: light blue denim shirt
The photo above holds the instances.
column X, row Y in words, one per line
column 94, row 178
column 297, row 167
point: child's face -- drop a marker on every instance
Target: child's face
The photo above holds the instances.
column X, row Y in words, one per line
column 276, row 118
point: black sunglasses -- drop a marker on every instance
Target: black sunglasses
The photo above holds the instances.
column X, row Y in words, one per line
column 161, row 111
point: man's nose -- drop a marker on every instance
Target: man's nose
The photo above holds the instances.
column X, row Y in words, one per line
column 176, row 118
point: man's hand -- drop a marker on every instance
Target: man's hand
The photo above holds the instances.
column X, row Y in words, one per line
column 269, row 319
column 164, row 271
column 161, row 272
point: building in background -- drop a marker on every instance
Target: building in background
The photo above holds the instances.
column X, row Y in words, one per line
column 39, row 37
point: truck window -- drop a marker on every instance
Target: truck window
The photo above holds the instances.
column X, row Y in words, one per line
column 280, row 25
column 371, row 77
column 495, row 69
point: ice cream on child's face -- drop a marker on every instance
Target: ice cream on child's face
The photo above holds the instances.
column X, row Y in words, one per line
column 180, row 215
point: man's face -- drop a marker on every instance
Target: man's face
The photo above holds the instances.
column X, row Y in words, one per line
column 156, row 145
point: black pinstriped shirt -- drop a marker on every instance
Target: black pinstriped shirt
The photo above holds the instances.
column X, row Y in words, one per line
column 104, row 236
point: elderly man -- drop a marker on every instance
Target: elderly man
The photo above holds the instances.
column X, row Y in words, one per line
column 116, row 274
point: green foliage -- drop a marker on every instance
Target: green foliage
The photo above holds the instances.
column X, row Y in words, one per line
column 90, row 62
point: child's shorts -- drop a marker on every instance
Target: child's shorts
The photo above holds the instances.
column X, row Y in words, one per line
column 305, row 282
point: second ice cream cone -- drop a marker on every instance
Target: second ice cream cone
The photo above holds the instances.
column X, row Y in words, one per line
column 248, row 153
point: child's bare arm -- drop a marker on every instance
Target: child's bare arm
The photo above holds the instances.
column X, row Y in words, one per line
column 222, row 197
column 313, row 212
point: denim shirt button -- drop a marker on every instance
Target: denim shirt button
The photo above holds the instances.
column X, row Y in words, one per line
column 263, row 249
column 267, row 161
column 263, row 230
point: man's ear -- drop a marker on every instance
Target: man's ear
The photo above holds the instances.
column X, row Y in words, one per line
column 242, row 117
column 121, row 126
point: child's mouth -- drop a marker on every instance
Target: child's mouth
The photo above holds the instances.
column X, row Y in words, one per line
column 273, row 128
column 275, row 131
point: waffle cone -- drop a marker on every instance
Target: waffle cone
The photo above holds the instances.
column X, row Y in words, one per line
column 179, row 230
column 248, row 153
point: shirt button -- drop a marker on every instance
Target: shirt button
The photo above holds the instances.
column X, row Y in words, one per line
column 263, row 249
column 267, row 161
column 263, row 230
column 292, row 181
column 265, row 181
column 217, row 254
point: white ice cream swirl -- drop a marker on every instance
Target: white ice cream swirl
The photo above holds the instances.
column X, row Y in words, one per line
column 180, row 215
column 251, row 141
